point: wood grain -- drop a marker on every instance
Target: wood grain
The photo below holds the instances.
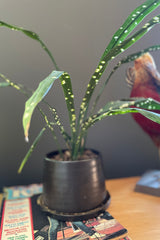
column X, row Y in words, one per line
column 138, row 212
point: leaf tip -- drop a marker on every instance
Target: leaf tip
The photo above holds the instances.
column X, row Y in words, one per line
column 19, row 171
column 26, row 139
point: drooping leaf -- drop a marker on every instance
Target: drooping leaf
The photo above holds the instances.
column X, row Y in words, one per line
column 146, row 103
column 140, row 105
column 148, row 114
column 37, row 97
column 56, row 117
column 32, row 35
column 155, row 117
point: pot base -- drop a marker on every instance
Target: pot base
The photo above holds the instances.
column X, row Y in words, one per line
column 75, row 216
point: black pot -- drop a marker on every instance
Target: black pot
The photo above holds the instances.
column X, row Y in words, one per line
column 74, row 190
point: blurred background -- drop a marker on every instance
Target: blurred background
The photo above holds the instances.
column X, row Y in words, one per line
column 77, row 33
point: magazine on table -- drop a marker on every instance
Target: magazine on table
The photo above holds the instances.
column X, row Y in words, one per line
column 23, row 219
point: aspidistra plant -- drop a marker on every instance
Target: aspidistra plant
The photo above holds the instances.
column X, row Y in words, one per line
column 79, row 125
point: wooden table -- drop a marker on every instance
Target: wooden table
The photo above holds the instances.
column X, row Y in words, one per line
column 138, row 212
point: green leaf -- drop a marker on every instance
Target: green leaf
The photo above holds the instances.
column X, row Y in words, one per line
column 155, row 117
column 109, row 55
column 131, row 40
column 126, row 59
column 69, row 98
column 65, row 135
column 126, row 106
column 148, row 114
column 131, row 23
column 4, row 84
column 130, row 58
column 32, row 35
column 149, row 103
column 12, row 84
column 136, row 55
column 31, row 150
column 145, row 103
column 37, row 96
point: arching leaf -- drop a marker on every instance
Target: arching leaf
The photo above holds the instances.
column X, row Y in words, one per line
column 144, row 106
column 118, row 45
column 32, row 35
column 36, row 97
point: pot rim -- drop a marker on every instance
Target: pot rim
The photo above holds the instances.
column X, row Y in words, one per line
column 50, row 159
column 74, row 161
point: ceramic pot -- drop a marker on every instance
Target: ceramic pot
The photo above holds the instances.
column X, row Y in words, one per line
column 74, row 189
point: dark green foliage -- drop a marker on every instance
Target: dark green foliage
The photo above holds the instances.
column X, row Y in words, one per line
column 75, row 140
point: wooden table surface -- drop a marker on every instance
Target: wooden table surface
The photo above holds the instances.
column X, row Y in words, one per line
column 138, row 212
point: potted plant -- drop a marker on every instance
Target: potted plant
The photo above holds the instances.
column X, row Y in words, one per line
column 74, row 185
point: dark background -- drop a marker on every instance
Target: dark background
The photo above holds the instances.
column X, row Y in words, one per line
column 77, row 32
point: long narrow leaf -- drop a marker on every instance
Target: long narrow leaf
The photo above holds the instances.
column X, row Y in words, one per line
column 14, row 85
column 127, row 59
column 131, row 40
column 123, row 107
column 69, row 98
column 32, row 35
column 131, row 23
column 61, row 128
column 130, row 58
column 31, row 150
column 146, row 103
column 148, row 114
column 37, row 96
column 126, row 106
column 112, row 54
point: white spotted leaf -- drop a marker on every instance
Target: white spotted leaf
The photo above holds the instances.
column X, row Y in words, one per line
column 37, row 97
column 131, row 23
column 144, row 106
column 118, row 45
column 69, row 98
